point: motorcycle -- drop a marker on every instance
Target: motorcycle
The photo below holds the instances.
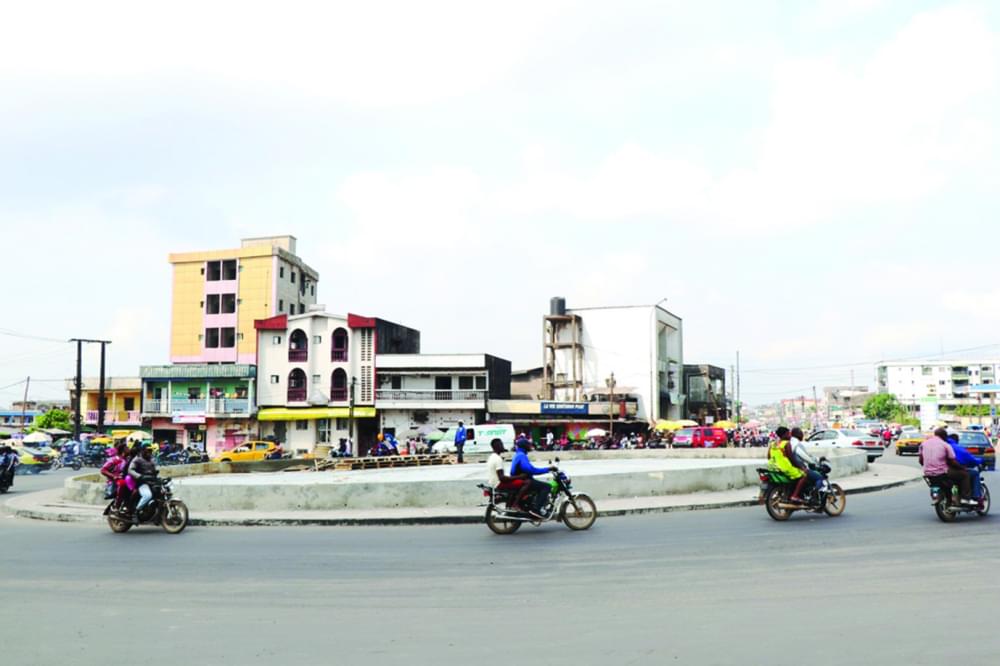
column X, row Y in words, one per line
column 171, row 514
column 6, row 481
column 66, row 460
column 776, row 488
column 946, row 500
column 576, row 510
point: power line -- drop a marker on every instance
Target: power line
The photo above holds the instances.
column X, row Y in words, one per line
column 15, row 334
column 876, row 362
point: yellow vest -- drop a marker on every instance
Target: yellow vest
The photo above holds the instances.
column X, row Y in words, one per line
column 778, row 460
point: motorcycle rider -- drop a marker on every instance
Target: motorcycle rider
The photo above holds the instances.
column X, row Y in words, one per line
column 780, row 457
column 494, row 471
column 521, row 465
column 9, row 460
column 938, row 459
column 803, row 459
column 971, row 465
column 143, row 470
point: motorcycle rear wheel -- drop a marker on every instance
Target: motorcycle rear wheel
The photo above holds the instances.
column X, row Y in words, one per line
column 774, row 498
column 836, row 501
column 119, row 526
column 986, row 501
column 946, row 516
column 580, row 517
column 76, row 465
column 498, row 525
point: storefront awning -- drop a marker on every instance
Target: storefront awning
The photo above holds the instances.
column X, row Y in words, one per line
column 311, row 413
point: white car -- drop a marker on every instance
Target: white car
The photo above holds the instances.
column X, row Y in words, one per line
column 847, row 439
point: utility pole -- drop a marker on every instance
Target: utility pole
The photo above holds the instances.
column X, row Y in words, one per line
column 79, row 383
column 100, row 394
column 739, row 406
column 24, row 401
column 350, row 420
column 815, row 407
column 610, row 381
column 732, row 393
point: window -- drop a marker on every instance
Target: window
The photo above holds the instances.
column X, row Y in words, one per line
column 317, row 339
column 291, row 308
column 129, row 404
column 397, row 382
column 275, row 379
column 228, row 337
column 281, row 304
column 339, row 351
column 228, row 303
column 213, row 271
column 481, row 383
column 312, row 290
column 211, row 338
column 323, row 431
column 276, row 340
column 341, row 424
column 194, row 393
column 302, row 308
column 293, row 277
column 281, row 271
column 926, row 370
column 212, row 304
column 302, row 424
column 316, row 379
column 229, row 269
column 465, row 383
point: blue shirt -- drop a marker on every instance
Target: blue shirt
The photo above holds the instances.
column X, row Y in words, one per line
column 521, row 465
column 963, row 457
column 460, row 435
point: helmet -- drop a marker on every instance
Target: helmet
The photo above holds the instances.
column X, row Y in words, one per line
column 522, row 441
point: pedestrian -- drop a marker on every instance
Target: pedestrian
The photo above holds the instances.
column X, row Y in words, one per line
column 549, row 438
column 460, row 441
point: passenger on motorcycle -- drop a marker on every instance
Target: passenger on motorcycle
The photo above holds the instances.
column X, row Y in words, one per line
column 522, row 466
column 143, row 470
column 780, row 457
column 114, row 471
column 802, row 459
column 938, row 459
column 496, row 477
column 970, row 463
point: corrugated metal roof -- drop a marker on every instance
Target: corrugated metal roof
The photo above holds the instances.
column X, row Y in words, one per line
column 198, row 371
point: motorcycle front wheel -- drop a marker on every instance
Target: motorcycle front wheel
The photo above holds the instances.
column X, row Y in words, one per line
column 836, row 501
column 76, row 465
column 774, row 498
column 582, row 515
column 118, row 526
column 498, row 525
column 175, row 517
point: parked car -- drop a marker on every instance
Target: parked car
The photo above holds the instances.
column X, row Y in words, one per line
column 701, row 437
column 847, row 439
column 247, row 452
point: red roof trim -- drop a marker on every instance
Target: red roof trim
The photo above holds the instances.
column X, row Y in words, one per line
column 275, row 323
column 357, row 321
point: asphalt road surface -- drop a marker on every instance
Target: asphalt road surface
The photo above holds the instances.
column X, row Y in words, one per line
column 884, row 583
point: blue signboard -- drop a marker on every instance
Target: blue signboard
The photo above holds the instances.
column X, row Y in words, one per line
column 575, row 408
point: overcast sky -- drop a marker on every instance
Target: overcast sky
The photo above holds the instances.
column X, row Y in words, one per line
column 814, row 184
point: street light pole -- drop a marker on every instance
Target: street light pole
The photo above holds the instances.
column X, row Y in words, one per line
column 610, row 381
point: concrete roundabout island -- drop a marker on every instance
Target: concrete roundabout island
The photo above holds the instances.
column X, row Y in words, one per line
column 603, row 475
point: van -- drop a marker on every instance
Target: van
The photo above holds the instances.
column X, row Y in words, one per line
column 701, row 437
column 478, row 438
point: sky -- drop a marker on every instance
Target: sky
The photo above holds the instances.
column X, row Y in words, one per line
column 810, row 183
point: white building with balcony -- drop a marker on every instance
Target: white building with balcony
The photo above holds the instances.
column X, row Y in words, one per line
column 437, row 390
column 949, row 383
column 317, row 376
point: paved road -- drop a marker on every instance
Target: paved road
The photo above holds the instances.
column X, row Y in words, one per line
column 885, row 583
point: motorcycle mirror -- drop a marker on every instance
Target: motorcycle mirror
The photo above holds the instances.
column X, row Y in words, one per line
column 557, row 459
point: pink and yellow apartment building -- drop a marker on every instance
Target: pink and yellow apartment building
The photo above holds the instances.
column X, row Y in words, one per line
column 217, row 296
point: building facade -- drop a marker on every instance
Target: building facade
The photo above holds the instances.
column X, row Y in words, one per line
column 208, row 406
column 437, row 390
column 122, row 401
column 951, row 384
column 638, row 349
column 218, row 294
column 318, row 376
column 705, row 393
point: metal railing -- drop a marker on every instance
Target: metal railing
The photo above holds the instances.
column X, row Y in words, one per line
column 338, row 355
column 130, row 417
column 296, row 395
column 298, row 355
column 192, row 405
column 338, row 395
column 403, row 395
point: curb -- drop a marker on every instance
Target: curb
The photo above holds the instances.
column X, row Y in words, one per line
column 388, row 521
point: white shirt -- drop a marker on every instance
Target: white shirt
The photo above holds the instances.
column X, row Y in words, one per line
column 799, row 449
column 493, row 466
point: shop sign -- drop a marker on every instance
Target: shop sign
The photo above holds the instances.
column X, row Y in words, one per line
column 188, row 417
column 574, row 408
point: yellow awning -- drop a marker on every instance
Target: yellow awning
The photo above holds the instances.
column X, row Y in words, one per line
column 311, row 413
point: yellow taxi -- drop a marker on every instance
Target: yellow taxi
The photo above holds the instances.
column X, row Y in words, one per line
column 247, row 452
column 909, row 443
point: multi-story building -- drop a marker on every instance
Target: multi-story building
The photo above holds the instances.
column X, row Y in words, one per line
column 317, row 376
column 16, row 418
column 122, row 401
column 208, row 406
column 634, row 350
column 949, row 383
column 218, row 294
column 437, row 390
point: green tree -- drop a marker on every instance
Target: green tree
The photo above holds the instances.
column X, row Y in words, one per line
column 882, row 407
column 54, row 418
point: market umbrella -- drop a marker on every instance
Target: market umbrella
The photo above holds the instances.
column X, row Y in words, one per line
column 725, row 425
column 37, row 438
column 687, row 423
column 663, row 424
column 434, row 436
column 597, row 432
column 139, row 436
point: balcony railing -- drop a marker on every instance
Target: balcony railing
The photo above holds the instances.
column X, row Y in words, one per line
column 338, row 355
column 338, row 395
column 130, row 417
column 296, row 395
column 197, row 405
column 403, row 395
column 298, row 355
